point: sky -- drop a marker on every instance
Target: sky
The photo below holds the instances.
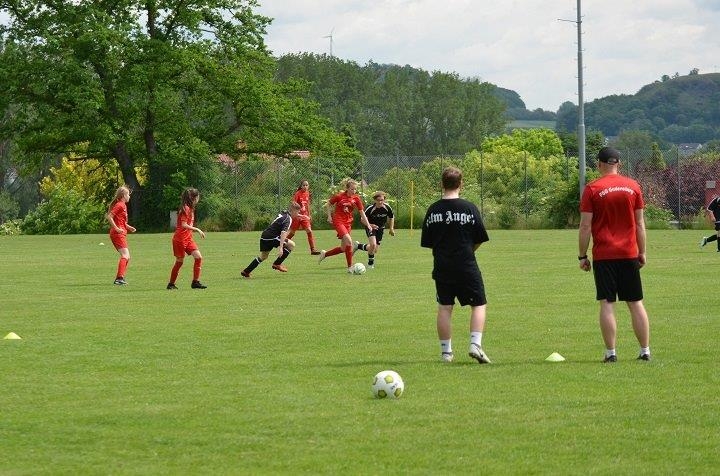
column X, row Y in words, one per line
column 523, row 45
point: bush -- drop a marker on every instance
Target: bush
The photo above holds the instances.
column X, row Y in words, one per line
column 65, row 212
column 11, row 227
column 9, row 208
column 657, row 218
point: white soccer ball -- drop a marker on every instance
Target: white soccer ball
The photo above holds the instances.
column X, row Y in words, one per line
column 388, row 384
column 358, row 268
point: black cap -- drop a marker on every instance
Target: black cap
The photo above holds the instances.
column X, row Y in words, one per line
column 608, row 155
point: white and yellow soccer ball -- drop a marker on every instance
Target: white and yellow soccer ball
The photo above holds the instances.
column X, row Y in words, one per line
column 388, row 384
column 358, row 268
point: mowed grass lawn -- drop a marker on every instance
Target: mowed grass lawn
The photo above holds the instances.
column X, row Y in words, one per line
column 272, row 374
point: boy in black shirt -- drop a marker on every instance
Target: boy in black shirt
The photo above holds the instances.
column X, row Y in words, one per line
column 454, row 229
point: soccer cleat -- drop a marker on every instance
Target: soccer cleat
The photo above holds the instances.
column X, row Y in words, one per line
column 477, row 353
column 322, row 256
column 356, row 247
column 447, row 356
column 280, row 268
column 244, row 274
column 120, row 281
column 198, row 285
column 171, row 286
column 314, row 252
column 610, row 359
column 703, row 242
column 350, row 270
column 644, row 357
column 371, row 266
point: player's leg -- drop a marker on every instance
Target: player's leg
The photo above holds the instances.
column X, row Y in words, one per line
column 608, row 328
column 197, row 269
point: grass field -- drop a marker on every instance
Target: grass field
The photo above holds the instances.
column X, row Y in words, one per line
column 272, row 375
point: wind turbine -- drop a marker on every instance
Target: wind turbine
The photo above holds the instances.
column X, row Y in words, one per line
column 331, row 40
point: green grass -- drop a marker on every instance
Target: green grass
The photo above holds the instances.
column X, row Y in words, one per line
column 273, row 374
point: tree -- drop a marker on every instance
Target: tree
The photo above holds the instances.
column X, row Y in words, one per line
column 156, row 85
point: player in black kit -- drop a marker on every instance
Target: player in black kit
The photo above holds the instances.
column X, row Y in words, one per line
column 275, row 236
column 378, row 213
column 713, row 214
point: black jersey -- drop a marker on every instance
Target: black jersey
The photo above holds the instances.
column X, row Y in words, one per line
column 281, row 223
column 452, row 227
column 378, row 215
column 714, row 207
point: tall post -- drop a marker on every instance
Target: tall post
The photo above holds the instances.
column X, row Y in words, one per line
column 581, row 105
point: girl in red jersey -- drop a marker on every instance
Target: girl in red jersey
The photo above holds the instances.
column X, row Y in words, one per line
column 302, row 220
column 182, row 241
column 117, row 216
column 340, row 214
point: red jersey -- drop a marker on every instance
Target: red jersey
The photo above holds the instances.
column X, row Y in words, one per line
column 344, row 205
column 185, row 215
column 613, row 200
column 302, row 198
column 120, row 216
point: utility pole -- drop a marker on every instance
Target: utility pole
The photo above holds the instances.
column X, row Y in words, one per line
column 581, row 105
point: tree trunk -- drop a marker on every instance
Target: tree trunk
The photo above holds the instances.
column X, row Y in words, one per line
column 130, row 177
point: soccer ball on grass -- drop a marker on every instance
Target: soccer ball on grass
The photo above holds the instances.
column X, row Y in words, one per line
column 358, row 268
column 388, row 384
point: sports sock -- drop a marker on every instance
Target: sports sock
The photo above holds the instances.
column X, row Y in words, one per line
column 362, row 246
column 476, row 338
column 335, row 251
column 196, row 269
column 175, row 270
column 371, row 259
column 311, row 241
column 253, row 264
column 609, row 352
column 446, row 345
column 286, row 253
column 348, row 254
column 122, row 267
column 645, row 350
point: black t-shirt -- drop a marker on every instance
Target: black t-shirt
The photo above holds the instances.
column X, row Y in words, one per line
column 281, row 223
column 378, row 215
column 452, row 227
column 714, row 207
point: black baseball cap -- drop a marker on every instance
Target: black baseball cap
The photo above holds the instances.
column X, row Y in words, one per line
column 608, row 155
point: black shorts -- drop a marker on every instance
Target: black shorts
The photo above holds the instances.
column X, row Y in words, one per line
column 618, row 280
column 269, row 244
column 378, row 234
column 468, row 292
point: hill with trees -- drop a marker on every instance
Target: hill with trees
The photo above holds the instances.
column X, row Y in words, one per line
column 674, row 109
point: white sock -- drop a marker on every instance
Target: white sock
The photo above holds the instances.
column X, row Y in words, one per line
column 476, row 338
column 609, row 352
column 446, row 346
column 645, row 350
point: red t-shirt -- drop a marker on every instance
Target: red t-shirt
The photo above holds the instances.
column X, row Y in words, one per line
column 119, row 215
column 344, row 205
column 613, row 200
column 302, row 197
column 185, row 215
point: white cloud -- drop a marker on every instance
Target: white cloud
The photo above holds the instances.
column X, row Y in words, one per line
column 515, row 44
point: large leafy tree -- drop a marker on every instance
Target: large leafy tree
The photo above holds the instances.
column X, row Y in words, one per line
column 156, row 86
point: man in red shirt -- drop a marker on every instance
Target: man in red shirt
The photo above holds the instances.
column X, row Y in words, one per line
column 611, row 213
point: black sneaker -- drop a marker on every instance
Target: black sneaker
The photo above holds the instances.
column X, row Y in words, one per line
column 171, row 286
column 120, row 281
column 198, row 285
column 644, row 357
column 610, row 359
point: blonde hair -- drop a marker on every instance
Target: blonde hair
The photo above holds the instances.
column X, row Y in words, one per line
column 118, row 195
column 346, row 182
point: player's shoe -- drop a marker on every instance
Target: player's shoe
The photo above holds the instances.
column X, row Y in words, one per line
column 477, row 353
column 703, row 242
column 322, row 256
column 244, row 274
column 610, row 359
column 120, row 281
column 371, row 266
column 314, row 252
column 350, row 270
column 198, row 285
column 280, row 268
column 644, row 357
column 171, row 286
column 447, row 356
column 356, row 247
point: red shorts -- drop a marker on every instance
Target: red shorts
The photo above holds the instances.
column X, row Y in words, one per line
column 119, row 240
column 342, row 228
column 300, row 223
column 180, row 249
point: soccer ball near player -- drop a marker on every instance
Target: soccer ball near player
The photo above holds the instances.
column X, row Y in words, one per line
column 388, row 384
column 358, row 268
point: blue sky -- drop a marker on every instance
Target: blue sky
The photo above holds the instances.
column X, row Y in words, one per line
column 516, row 44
